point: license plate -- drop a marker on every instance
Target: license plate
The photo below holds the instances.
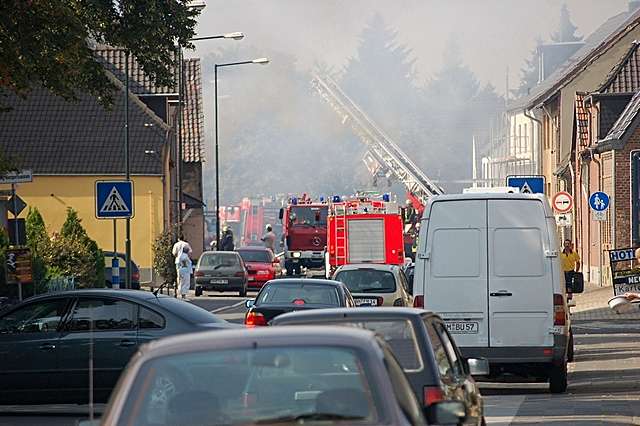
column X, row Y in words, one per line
column 250, row 278
column 370, row 302
column 463, row 327
column 219, row 281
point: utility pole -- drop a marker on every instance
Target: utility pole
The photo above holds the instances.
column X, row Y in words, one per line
column 127, row 243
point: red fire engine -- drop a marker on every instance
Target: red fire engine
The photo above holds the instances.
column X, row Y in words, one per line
column 362, row 230
column 304, row 230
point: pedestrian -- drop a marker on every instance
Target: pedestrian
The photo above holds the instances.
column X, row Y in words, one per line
column 269, row 239
column 570, row 262
column 179, row 246
column 227, row 241
column 183, row 266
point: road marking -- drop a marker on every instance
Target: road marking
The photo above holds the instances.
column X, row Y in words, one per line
column 227, row 308
column 502, row 409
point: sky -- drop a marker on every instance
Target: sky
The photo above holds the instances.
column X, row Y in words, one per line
column 494, row 35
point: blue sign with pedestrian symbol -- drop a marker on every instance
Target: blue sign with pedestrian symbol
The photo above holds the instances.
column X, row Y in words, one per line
column 114, row 199
column 599, row 201
column 527, row 184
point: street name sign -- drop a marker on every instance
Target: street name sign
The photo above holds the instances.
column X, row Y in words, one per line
column 114, row 199
column 21, row 176
column 527, row 184
column 562, row 202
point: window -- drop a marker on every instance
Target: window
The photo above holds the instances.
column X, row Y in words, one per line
column 213, row 260
column 402, row 389
column 260, row 256
column 367, row 280
column 103, row 315
column 307, row 215
column 450, row 349
column 285, row 294
column 401, row 337
column 37, row 317
column 517, row 252
column 150, row 319
column 439, row 352
column 457, row 244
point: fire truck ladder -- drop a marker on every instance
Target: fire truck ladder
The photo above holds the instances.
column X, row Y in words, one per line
column 384, row 151
column 340, row 237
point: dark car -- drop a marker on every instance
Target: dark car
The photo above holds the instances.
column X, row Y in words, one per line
column 279, row 375
column 221, row 271
column 262, row 265
column 420, row 340
column 295, row 294
column 108, row 271
column 46, row 341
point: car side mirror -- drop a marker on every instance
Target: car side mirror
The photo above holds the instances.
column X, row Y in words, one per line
column 249, row 303
column 577, row 283
column 478, row 366
column 446, row 413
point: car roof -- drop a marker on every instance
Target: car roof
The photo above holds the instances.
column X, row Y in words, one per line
column 361, row 313
column 375, row 266
column 218, row 251
column 261, row 337
column 316, row 281
column 253, row 248
column 104, row 292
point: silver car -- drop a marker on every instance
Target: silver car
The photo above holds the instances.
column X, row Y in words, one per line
column 376, row 285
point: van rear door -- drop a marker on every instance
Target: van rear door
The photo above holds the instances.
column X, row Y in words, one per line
column 520, row 275
column 455, row 268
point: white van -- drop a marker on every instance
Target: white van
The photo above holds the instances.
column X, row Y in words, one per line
column 488, row 263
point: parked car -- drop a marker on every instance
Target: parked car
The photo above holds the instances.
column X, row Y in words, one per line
column 295, row 294
column 420, row 341
column 108, row 272
column 375, row 285
column 46, row 341
column 279, row 375
column 489, row 264
column 221, row 271
column 262, row 265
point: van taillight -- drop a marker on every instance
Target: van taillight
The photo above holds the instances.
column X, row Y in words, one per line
column 559, row 315
column 253, row 319
column 432, row 394
column 418, row 301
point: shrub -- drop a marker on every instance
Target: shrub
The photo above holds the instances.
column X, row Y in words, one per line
column 163, row 260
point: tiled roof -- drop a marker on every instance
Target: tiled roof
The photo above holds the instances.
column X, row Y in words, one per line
column 50, row 135
column 623, row 127
column 604, row 34
column 113, row 60
column 192, row 113
column 625, row 75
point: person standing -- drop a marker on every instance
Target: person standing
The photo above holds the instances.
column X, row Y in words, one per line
column 183, row 266
column 269, row 239
column 227, row 241
column 179, row 246
column 570, row 261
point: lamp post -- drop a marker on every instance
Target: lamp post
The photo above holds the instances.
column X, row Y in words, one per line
column 262, row 61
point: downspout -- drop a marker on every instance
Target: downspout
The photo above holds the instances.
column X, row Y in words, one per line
column 537, row 152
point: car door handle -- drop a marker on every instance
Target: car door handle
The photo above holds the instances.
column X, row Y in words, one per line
column 126, row 343
column 501, row 294
column 47, row 346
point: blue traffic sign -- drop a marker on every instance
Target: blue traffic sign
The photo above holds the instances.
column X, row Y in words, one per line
column 114, row 199
column 599, row 201
column 527, row 184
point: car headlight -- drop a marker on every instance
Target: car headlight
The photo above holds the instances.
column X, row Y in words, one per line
column 296, row 254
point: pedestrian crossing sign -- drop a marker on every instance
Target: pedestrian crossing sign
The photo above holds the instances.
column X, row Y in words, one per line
column 114, row 199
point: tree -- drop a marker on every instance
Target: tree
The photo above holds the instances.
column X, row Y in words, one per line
column 38, row 241
column 529, row 73
column 80, row 243
column 163, row 260
column 566, row 30
column 48, row 42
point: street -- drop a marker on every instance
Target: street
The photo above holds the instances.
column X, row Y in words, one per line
column 604, row 380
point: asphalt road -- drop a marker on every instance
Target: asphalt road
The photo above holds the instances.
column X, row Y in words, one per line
column 604, row 382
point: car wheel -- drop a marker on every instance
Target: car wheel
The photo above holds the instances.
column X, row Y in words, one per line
column 558, row 378
column 198, row 291
column 483, row 422
column 243, row 292
column 297, row 270
column 570, row 350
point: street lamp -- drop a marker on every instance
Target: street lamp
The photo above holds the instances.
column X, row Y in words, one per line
column 235, row 36
column 261, row 61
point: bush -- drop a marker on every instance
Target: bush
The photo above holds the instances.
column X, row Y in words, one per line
column 38, row 241
column 163, row 260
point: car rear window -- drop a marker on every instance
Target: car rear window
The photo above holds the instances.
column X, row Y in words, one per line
column 367, row 280
column 212, row 260
column 191, row 313
column 255, row 256
column 302, row 293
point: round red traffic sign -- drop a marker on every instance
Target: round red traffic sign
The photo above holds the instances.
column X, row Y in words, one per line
column 562, row 202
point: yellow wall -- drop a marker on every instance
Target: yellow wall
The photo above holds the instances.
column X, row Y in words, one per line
column 53, row 194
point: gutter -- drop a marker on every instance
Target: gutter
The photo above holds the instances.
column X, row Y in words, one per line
column 538, row 149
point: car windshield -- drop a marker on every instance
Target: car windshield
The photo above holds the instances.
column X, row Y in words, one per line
column 217, row 260
column 263, row 385
column 367, row 280
column 261, row 256
column 308, row 215
column 299, row 294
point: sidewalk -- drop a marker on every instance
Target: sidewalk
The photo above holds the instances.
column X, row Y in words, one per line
column 592, row 305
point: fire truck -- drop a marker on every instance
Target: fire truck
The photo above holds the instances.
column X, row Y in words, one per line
column 304, row 233
column 363, row 230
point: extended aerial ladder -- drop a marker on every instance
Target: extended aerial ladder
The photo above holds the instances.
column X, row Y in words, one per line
column 382, row 153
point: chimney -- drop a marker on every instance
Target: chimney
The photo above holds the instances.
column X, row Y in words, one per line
column 633, row 5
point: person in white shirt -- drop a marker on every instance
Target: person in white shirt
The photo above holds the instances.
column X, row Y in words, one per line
column 183, row 267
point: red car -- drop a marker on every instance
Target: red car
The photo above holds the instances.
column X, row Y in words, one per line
column 262, row 265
